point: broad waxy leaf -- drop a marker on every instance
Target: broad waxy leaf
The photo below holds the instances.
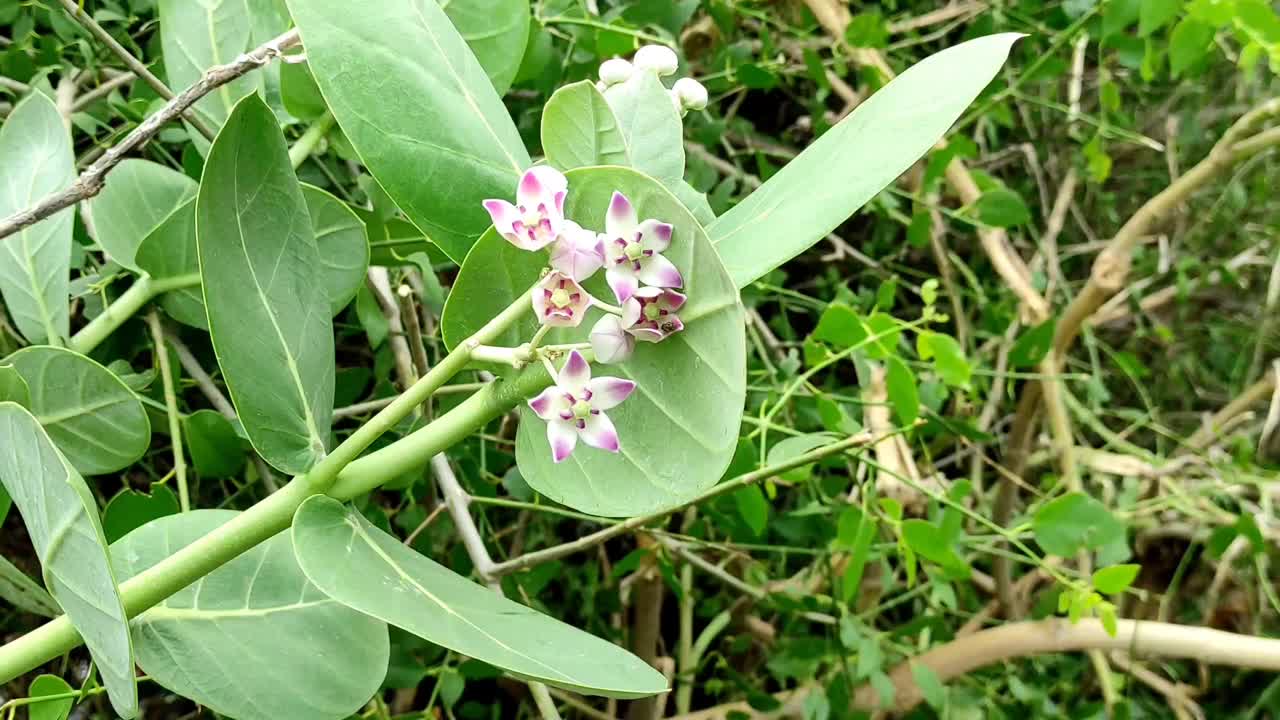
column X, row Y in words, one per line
column 496, row 31
column 264, row 292
column 373, row 572
column 198, row 34
column 62, row 520
column 650, row 126
column 94, row 418
column 343, row 245
column 131, row 509
column 679, row 429
column 36, row 160
column 23, row 593
column 12, row 387
column 418, row 108
column 169, row 251
column 137, row 197
column 254, row 639
column 579, row 129
column 44, row 686
column 856, row 159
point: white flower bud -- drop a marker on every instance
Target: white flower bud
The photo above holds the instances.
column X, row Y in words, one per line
column 610, row 341
column 658, row 58
column 615, row 71
column 692, row 94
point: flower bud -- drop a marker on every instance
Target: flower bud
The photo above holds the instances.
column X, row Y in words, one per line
column 615, row 71
column 692, row 94
column 610, row 342
column 658, row 58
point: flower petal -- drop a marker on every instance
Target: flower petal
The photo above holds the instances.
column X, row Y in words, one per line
column 655, row 235
column 607, row 392
column 600, row 433
column 575, row 374
column 658, row 271
column 610, row 342
column 631, row 310
column 647, row 334
column 503, row 214
column 562, row 437
column 544, row 405
column 539, row 186
column 578, row 253
column 622, row 280
column 620, row 220
column 672, row 300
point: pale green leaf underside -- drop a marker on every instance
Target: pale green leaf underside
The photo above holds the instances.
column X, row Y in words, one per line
column 679, row 428
column 90, row 414
column 580, row 130
column 138, row 196
column 36, row 160
column 62, row 520
column 496, row 31
column 856, row 159
column 418, row 109
column 373, row 572
column 650, row 125
column 254, row 639
column 264, row 291
column 24, row 593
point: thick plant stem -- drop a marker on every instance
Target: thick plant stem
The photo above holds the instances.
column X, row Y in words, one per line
column 275, row 513
column 310, row 139
column 142, row 291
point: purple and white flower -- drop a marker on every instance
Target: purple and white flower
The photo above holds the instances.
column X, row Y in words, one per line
column 650, row 314
column 537, row 218
column 560, row 301
column 610, row 341
column 633, row 250
column 578, row 253
column 574, row 408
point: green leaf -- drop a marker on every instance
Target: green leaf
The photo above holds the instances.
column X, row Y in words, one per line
column 36, row 160
column 216, row 451
column 93, row 417
column 929, row 542
column 1155, row 14
column 841, row 326
column 901, row 384
column 855, row 160
column 948, row 357
column 299, row 92
column 1002, row 207
column 753, row 508
column 1107, row 614
column 934, row 692
column 62, row 520
column 496, row 31
column 264, row 291
column 1188, row 43
column 24, row 593
column 579, row 129
column 342, row 243
column 419, row 110
column 366, row 569
column 131, row 509
column 1032, row 345
column 856, row 531
column 867, row 30
column 650, row 126
column 170, row 251
column 198, row 35
column 1075, row 522
column 44, row 686
column 137, row 197
column 254, row 639
column 13, row 388
column 1115, row 579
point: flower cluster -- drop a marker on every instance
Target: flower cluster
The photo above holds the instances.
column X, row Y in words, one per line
column 643, row 281
column 686, row 94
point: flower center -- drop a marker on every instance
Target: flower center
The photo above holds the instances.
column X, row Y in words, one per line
column 560, row 297
column 581, row 409
column 634, row 251
column 652, row 312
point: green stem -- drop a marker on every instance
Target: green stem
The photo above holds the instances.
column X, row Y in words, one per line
column 124, row 307
column 171, row 409
column 274, row 514
column 310, row 139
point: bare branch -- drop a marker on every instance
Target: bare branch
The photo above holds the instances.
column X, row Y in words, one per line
column 91, row 180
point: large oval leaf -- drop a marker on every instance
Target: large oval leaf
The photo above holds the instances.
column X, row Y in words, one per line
column 373, row 572
column 856, row 159
column 342, row 243
column 62, row 520
column 579, row 129
column 496, row 31
column 95, row 419
column 170, row 251
column 418, row 109
column 198, row 34
column 680, row 427
column 650, row 125
column 137, row 197
column 254, row 639
column 264, row 290
column 36, row 160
